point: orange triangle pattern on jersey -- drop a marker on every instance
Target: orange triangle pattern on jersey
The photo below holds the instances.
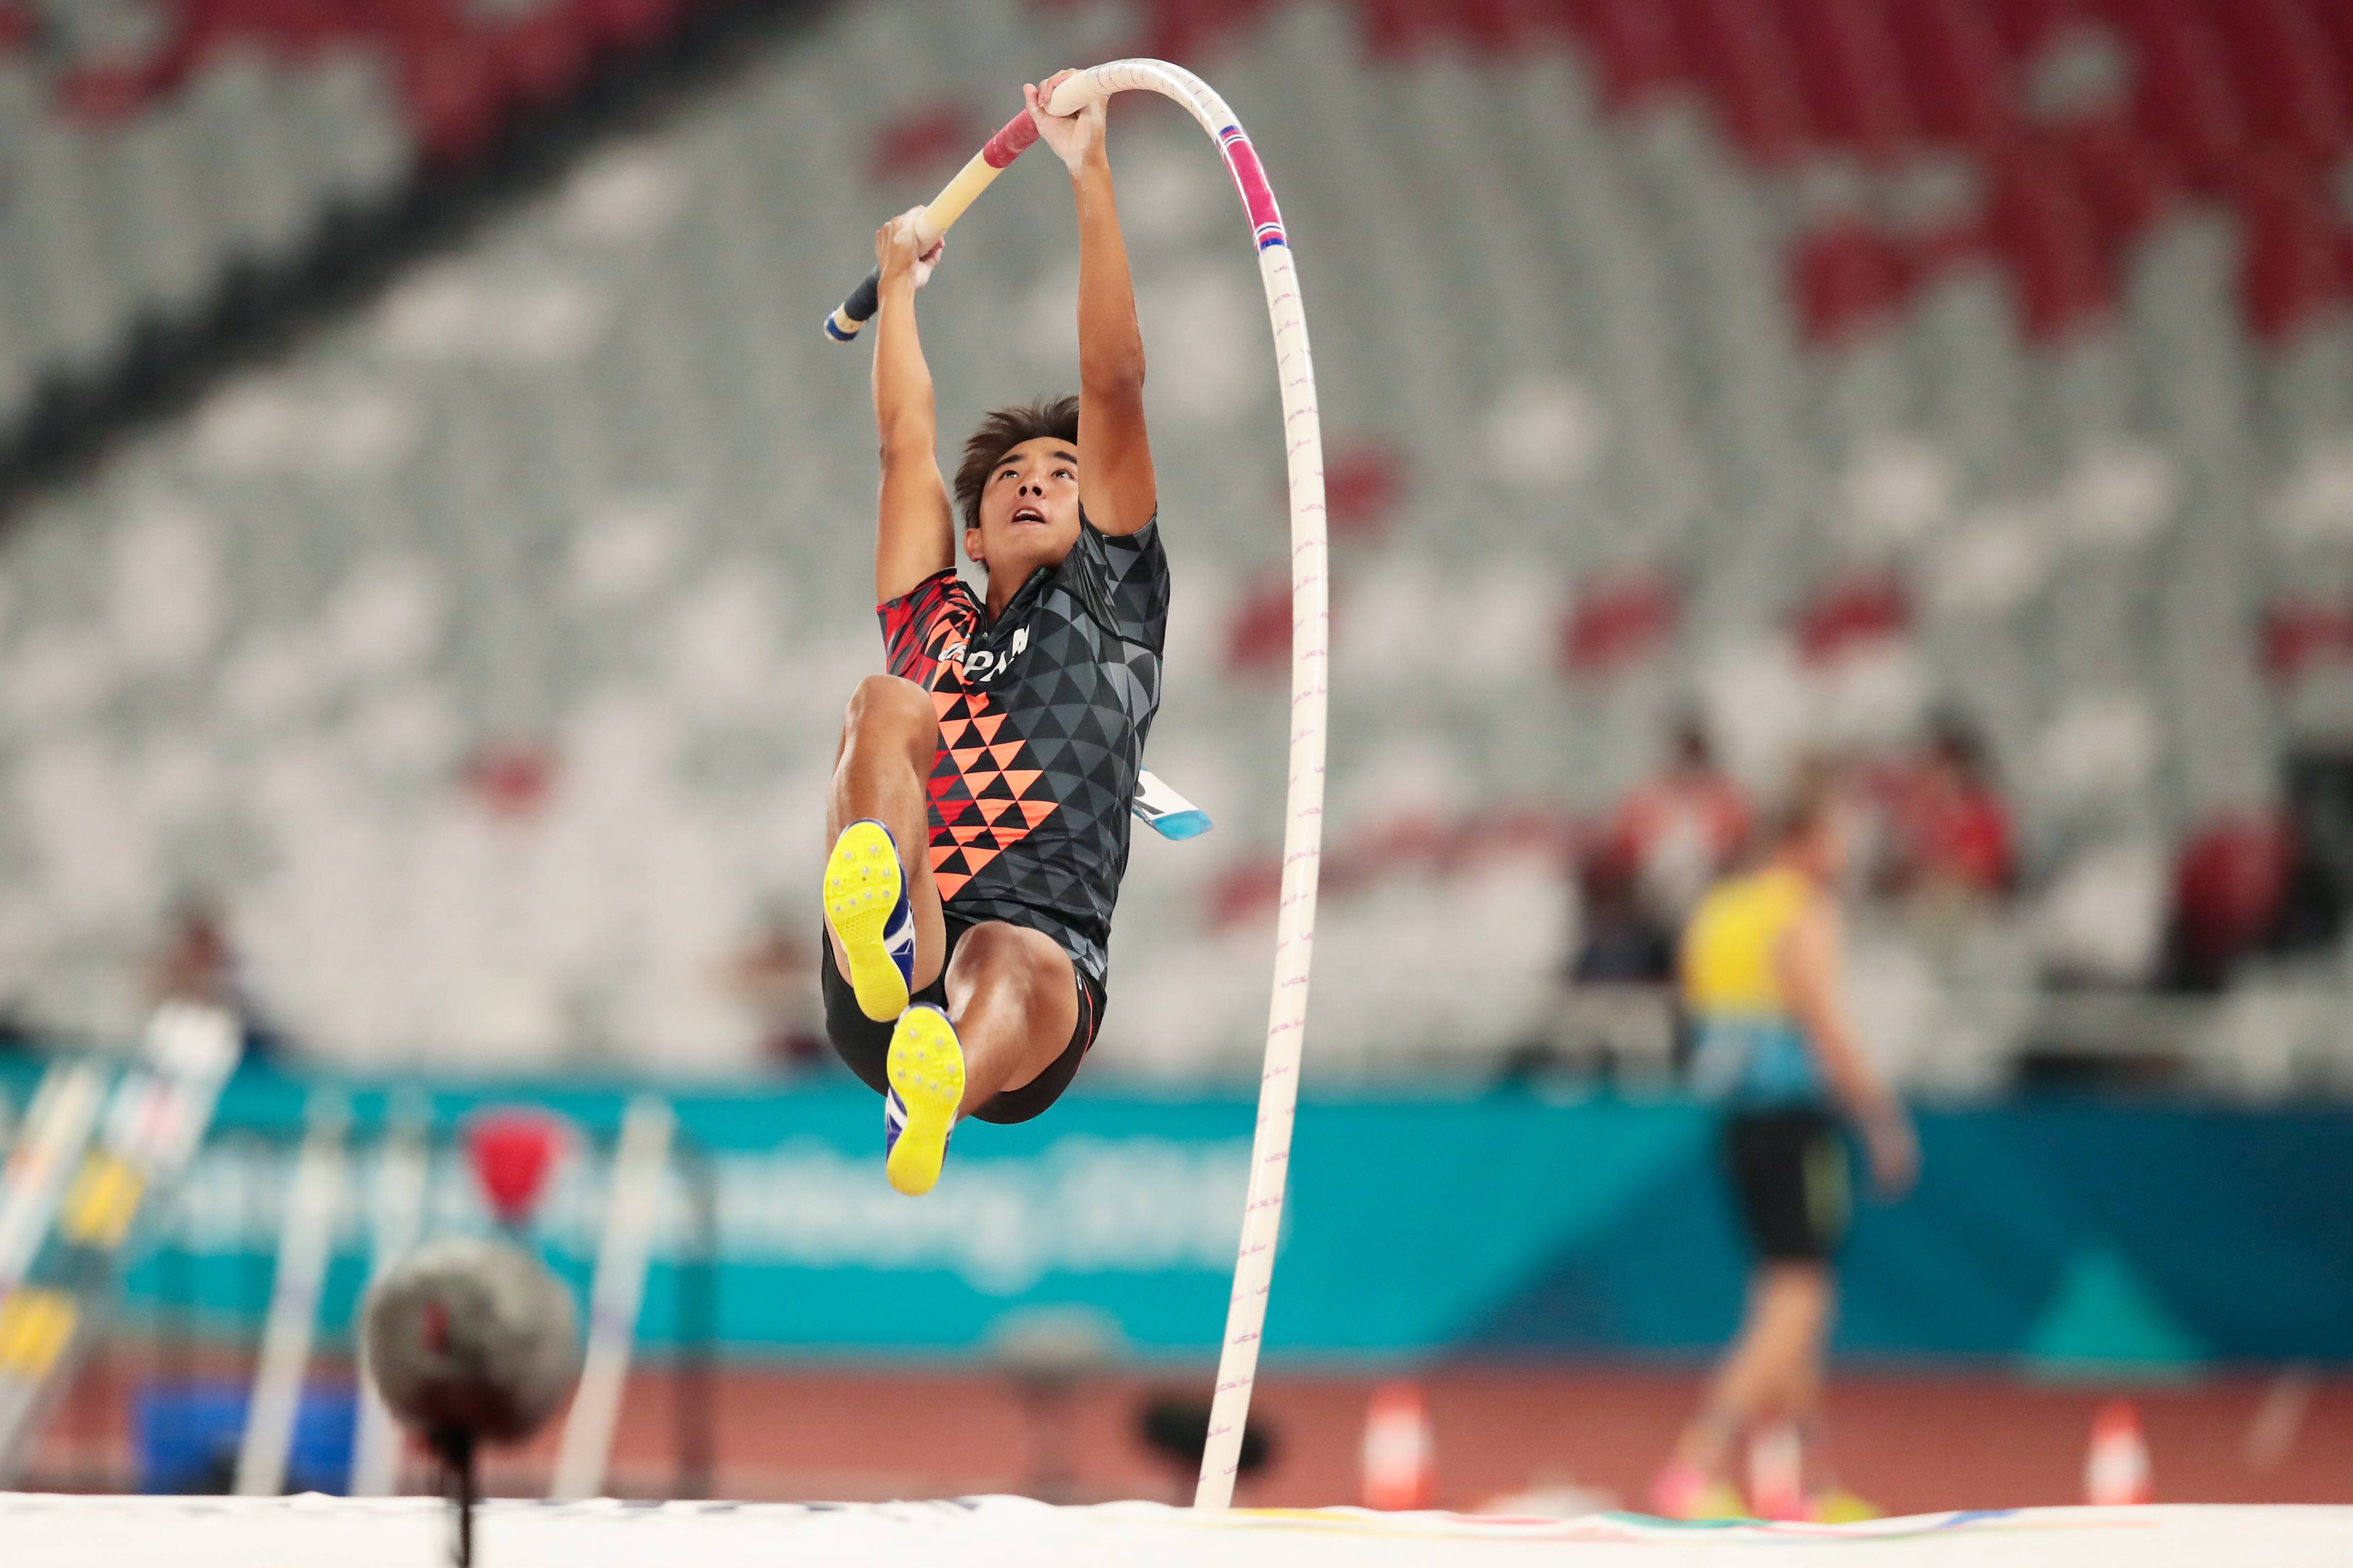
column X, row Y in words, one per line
column 983, row 800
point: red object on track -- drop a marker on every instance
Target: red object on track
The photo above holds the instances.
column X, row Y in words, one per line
column 1401, row 1460
column 513, row 1150
column 2116, row 1472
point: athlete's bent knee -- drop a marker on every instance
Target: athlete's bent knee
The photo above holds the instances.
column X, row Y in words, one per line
column 888, row 705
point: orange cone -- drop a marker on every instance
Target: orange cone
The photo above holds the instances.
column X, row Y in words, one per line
column 1401, row 1460
column 2116, row 1472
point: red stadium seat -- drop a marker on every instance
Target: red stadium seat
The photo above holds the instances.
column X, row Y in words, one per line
column 1852, row 67
column 2333, row 24
column 2129, row 185
column 1618, row 623
column 2300, row 634
column 1847, row 278
column 1393, row 28
column 109, row 94
column 2279, row 59
column 544, row 57
column 453, row 95
column 1960, row 80
column 2026, row 25
column 1364, row 485
column 1257, row 636
column 1182, row 29
column 923, row 139
column 293, row 27
column 513, row 782
column 2184, row 99
column 2038, row 222
column 2293, row 250
column 632, row 24
column 1850, row 613
column 1740, row 52
column 1636, row 43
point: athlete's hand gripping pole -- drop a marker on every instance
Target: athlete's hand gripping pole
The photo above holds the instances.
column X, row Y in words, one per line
column 936, row 220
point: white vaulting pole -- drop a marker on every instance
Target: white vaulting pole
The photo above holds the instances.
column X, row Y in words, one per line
column 1303, row 836
column 632, row 1212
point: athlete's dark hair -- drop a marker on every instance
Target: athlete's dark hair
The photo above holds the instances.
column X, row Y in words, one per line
column 1001, row 430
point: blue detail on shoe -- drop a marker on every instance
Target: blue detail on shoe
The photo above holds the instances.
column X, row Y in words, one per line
column 894, row 1121
column 899, row 935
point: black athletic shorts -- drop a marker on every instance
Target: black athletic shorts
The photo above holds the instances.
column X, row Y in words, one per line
column 865, row 1046
column 1789, row 1169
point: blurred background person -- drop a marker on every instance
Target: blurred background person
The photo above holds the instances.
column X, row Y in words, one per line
column 1952, row 855
column 197, row 963
column 1671, row 837
column 1761, row 965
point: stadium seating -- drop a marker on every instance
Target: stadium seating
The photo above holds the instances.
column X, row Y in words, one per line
column 164, row 159
column 1864, row 357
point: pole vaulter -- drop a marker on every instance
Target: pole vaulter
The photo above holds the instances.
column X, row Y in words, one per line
column 1302, row 833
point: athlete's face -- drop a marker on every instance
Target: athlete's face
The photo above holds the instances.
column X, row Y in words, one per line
column 1028, row 510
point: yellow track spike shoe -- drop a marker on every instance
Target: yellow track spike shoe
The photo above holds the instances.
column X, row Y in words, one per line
column 926, row 1068
column 1685, row 1492
column 867, row 910
column 1836, row 1505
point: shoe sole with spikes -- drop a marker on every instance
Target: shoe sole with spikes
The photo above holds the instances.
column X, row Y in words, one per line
column 926, row 1070
column 866, row 906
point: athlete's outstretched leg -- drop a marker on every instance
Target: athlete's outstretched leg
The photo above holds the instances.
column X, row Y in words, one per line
column 1013, row 1008
column 876, row 886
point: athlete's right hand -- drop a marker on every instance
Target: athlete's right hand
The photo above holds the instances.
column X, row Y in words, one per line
column 1895, row 1151
column 895, row 252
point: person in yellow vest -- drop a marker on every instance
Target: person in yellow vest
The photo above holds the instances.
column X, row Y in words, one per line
column 1774, row 1046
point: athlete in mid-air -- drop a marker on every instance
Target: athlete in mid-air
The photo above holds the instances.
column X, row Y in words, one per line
column 978, row 812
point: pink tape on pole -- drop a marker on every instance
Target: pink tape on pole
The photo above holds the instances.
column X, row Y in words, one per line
column 1008, row 144
column 1250, row 178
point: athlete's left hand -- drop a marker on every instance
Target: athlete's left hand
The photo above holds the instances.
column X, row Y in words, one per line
column 1076, row 138
column 896, row 252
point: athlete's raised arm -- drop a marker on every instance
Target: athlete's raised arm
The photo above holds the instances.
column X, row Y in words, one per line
column 914, row 530
column 1115, row 483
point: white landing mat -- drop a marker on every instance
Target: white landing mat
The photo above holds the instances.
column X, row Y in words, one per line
column 48, row 1532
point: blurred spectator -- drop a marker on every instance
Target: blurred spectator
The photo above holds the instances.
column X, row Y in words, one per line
column 1681, row 829
column 1951, row 841
column 197, row 963
column 775, row 977
column 1620, row 942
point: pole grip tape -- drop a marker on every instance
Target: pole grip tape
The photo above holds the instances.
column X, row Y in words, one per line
column 938, row 217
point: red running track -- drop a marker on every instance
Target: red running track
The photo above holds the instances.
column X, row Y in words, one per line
column 1912, row 1441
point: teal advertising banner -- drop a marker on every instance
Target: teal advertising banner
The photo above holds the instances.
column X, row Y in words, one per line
column 2067, row 1235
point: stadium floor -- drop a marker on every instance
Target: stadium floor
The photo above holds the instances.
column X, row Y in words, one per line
column 52, row 1532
